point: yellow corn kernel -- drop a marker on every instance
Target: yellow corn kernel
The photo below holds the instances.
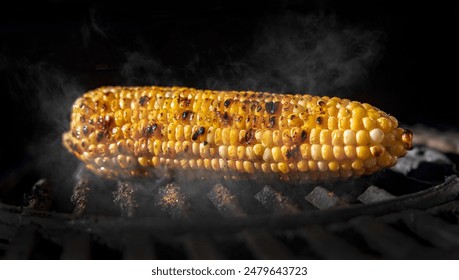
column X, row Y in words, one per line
column 325, row 137
column 327, row 152
column 385, row 124
column 349, row 137
column 120, row 132
column 277, row 154
column 362, row 137
column 363, row 152
column 267, row 139
column 316, row 152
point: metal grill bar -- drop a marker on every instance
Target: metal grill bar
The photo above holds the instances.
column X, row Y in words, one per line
column 433, row 229
column 262, row 244
column 125, row 198
column 138, row 246
column 225, row 202
column 41, row 196
column 329, row 246
column 321, row 198
column 374, row 194
column 201, row 248
column 22, row 245
column 76, row 246
column 173, row 201
column 276, row 201
column 80, row 196
column 389, row 242
column 265, row 247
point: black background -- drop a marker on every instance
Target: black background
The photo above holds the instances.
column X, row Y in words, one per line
column 52, row 51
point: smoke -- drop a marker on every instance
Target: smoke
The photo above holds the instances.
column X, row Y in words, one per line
column 92, row 26
column 42, row 95
column 140, row 68
column 316, row 54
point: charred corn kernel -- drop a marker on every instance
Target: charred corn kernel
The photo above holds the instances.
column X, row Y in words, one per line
column 119, row 132
column 377, row 150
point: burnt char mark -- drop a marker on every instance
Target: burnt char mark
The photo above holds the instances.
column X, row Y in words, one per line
column 103, row 122
column 292, row 153
column 227, row 103
column 321, row 103
column 144, row 100
column 150, row 129
column 183, row 101
column 100, row 136
column 226, row 119
column 319, row 120
column 85, row 130
column 271, row 121
column 201, row 130
column 271, row 107
column 249, row 136
column 304, row 135
column 186, row 113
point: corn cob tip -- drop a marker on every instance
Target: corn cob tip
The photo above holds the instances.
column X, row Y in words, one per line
column 407, row 139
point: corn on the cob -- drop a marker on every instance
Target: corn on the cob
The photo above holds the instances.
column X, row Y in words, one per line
column 143, row 131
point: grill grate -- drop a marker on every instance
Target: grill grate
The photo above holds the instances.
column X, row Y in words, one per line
column 379, row 217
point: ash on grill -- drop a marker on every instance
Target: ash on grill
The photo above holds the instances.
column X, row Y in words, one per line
column 408, row 212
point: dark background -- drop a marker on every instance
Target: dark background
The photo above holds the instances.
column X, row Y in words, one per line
column 400, row 57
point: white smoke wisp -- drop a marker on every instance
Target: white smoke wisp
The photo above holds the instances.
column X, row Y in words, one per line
column 313, row 54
